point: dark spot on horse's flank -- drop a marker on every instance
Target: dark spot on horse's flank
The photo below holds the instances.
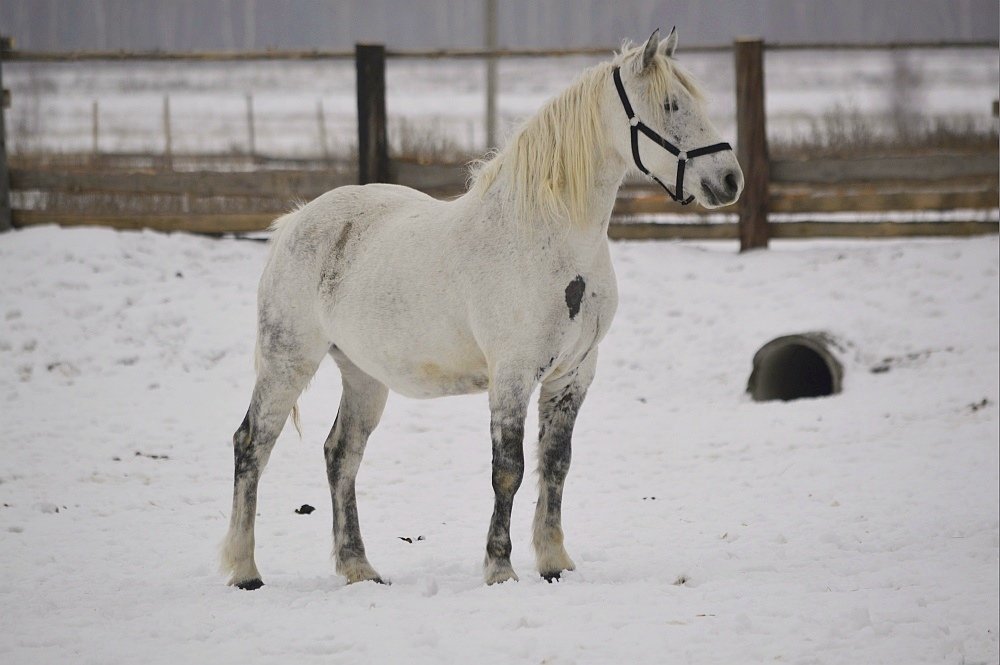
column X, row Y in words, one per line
column 574, row 295
column 304, row 509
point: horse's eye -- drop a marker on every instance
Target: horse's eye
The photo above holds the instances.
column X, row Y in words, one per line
column 670, row 105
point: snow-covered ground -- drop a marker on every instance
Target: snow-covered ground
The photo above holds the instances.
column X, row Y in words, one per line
column 860, row 528
column 440, row 103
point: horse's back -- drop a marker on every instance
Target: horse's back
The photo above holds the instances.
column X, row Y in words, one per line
column 324, row 227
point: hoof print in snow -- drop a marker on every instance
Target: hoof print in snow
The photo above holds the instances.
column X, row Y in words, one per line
column 649, row 498
column 250, row 585
column 681, row 580
column 908, row 360
column 304, row 509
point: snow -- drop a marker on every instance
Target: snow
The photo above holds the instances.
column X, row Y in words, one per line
column 860, row 528
column 440, row 103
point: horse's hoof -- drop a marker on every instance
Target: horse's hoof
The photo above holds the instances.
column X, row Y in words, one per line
column 369, row 578
column 359, row 570
column 500, row 574
column 552, row 577
column 249, row 585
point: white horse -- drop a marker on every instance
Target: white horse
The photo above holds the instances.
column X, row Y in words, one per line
column 504, row 288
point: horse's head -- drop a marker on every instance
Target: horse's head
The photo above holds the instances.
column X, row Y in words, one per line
column 659, row 124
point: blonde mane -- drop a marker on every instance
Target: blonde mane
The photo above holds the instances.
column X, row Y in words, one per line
column 552, row 158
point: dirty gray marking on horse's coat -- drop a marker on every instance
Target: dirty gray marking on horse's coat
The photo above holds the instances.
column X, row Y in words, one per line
column 348, row 537
column 508, row 471
column 244, row 458
column 574, row 296
column 544, row 368
column 556, row 420
column 333, row 267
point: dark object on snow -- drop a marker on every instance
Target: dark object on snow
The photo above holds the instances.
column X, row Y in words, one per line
column 795, row 366
column 409, row 540
column 304, row 509
column 150, row 455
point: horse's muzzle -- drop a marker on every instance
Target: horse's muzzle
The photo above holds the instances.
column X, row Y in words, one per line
column 725, row 192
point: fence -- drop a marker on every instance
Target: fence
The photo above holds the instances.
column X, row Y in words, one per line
column 103, row 192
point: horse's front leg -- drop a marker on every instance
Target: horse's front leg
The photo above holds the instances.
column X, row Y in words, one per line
column 509, row 394
column 558, row 404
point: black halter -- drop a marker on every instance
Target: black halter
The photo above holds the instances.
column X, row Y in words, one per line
column 682, row 156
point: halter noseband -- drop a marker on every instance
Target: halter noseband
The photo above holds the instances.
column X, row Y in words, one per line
column 682, row 156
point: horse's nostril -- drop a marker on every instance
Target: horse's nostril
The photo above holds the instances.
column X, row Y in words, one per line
column 731, row 183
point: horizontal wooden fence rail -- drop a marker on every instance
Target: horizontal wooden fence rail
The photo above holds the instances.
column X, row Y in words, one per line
column 110, row 198
column 801, row 230
column 875, row 169
column 289, row 183
column 241, row 223
column 650, row 202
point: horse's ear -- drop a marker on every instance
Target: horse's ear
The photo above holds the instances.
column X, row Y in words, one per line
column 669, row 45
column 649, row 50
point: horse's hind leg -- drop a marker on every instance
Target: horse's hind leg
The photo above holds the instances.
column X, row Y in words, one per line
column 361, row 406
column 283, row 371
column 558, row 404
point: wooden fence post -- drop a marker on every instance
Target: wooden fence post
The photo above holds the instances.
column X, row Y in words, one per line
column 321, row 125
column 168, row 139
column 373, row 153
column 751, row 143
column 5, row 218
column 491, row 74
column 95, row 128
column 251, row 131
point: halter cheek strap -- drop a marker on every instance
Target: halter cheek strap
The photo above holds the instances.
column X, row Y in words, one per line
column 682, row 156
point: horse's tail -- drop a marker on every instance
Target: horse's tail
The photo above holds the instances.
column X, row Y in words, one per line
column 278, row 228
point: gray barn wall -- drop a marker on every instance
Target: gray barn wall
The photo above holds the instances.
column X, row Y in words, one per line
column 411, row 24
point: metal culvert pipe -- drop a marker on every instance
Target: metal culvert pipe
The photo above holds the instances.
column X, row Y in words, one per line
column 796, row 366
